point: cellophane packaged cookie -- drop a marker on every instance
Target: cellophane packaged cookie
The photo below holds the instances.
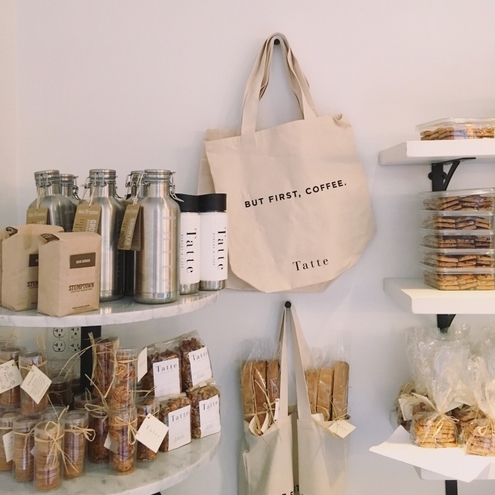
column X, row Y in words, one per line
column 194, row 360
column 205, row 410
column 175, row 412
column 260, row 385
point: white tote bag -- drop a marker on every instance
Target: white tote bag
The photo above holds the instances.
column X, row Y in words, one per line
column 298, row 202
column 266, row 460
column 320, row 457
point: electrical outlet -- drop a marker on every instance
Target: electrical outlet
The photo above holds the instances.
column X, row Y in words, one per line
column 63, row 343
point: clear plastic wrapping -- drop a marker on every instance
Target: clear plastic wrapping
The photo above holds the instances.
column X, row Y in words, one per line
column 27, row 360
column 23, row 460
column 12, row 397
column 145, row 406
column 104, row 350
column 76, row 431
column 7, row 417
column 175, row 412
column 205, row 410
column 122, row 433
column 122, row 392
column 48, row 436
column 194, row 360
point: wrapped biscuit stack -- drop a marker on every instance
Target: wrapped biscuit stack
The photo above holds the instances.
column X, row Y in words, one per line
column 457, row 251
column 260, row 387
column 328, row 390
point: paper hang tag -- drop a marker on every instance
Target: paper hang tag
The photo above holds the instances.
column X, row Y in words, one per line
column 37, row 215
column 8, row 446
column 130, row 237
column 142, row 364
column 87, row 218
column 152, row 432
column 111, row 444
column 341, row 428
column 36, row 384
column 10, row 376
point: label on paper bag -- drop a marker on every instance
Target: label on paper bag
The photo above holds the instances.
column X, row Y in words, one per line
column 10, row 376
column 200, row 365
column 36, row 384
column 8, row 445
column 152, row 432
column 341, row 428
column 209, row 416
column 166, row 377
column 179, row 432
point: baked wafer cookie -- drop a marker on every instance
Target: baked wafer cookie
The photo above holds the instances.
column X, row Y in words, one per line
column 325, row 388
column 247, row 390
column 340, row 390
column 312, row 385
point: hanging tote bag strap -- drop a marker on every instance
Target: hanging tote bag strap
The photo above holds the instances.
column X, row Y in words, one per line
column 266, row 460
column 313, row 474
column 259, row 79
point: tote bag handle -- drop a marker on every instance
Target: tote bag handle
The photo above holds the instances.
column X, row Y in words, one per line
column 259, row 78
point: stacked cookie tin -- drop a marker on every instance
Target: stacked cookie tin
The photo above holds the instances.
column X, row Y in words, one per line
column 458, row 250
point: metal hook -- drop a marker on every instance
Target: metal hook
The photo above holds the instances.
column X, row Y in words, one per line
column 276, row 41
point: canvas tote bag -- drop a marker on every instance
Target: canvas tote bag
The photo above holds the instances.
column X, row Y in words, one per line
column 266, row 460
column 298, row 202
column 320, row 457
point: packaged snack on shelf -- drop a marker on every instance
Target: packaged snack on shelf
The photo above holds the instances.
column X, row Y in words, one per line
column 459, row 278
column 54, row 413
column 205, row 410
column 459, row 199
column 466, row 416
column 104, row 350
column 122, row 438
column 194, row 360
column 77, row 434
column 456, row 220
column 27, row 361
column 458, row 258
column 98, row 422
column 48, row 436
column 23, row 460
column 164, row 371
column 11, row 397
column 438, row 365
column 458, row 239
column 146, row 405
column 457, row 128
column 175, row 413
column 7, row 417
column 122, row 392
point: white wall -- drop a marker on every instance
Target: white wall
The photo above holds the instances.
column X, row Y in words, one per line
column 129, row 84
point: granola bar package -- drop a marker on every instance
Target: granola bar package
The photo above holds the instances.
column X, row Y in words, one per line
column 194, row 361
column 205, row 410
column 175, row 412
column 163, row 377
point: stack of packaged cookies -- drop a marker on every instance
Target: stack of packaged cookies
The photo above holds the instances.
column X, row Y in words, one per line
column 457, row 250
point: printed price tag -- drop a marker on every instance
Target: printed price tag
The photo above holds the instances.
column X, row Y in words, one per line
column 36, row 384
column 200, row 365
column 179, row 432
column 152, row 432
column 128, row 240
column 142, row 364
column 8, row 446
column 10, row 376
column 166, row 377
column 209, row 416
column 341, row 428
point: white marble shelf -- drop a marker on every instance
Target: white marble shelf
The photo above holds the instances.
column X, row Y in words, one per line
column 167, row 470
column 426, row 152
column 124, row 310
column 414, row 296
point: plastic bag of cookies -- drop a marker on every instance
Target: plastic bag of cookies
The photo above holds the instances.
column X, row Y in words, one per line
column 205, row 410
column 195, row 361
column 175, row 412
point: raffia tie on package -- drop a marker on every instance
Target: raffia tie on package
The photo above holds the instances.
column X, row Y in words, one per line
column 49, row 451
column 75, row 440
column 103, row 372
column 122, row 430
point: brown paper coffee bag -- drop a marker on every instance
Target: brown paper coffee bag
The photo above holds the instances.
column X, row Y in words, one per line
column 3, row 235
column 69, row 273
column 20, row 265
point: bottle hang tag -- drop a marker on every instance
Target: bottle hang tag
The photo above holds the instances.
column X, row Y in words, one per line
column 130, row 238
column 87, row 218
column 37, row 215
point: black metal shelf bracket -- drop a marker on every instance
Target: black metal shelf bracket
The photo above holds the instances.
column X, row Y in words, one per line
column 439, row 178
column 444, row 322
